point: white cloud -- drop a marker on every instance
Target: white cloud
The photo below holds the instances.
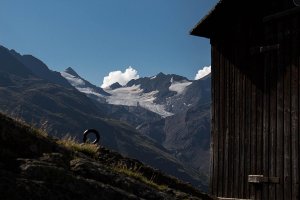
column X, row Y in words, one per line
column 120, row 77
column 203, row 72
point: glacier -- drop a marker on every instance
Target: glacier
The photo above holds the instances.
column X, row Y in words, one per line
column 135, row 96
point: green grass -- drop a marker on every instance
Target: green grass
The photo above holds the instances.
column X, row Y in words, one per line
column 135, row 173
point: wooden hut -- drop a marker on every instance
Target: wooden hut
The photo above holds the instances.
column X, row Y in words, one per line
column 255, row 48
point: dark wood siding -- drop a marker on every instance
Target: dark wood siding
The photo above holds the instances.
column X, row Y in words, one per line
column 255, row 111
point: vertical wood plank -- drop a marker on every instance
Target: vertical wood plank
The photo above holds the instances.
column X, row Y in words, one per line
column 280, row 119
column 273, row 121
column 213, row 132
column 266, row 112
column 245, row 149
column 259, row 136
column 253, row 137
column 232, row 128
column 242, row 132
column 297, row 138
column 232, row 121
column 226, row 126
column 221, row 180
column 247, row 162
column 287, row 119
column 294, row 130
column 295, row 111
column 216, row 61
column 236, row 184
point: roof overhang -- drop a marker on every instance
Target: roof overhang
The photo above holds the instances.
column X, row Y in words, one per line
column 204, row 27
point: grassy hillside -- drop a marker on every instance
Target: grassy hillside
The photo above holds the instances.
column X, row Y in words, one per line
column 36, row 166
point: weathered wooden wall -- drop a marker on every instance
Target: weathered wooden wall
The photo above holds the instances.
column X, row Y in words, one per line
column 255, row 111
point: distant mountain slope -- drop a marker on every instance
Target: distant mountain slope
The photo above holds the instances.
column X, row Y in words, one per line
column 160, row 83
column 9, row 65
column 189, row 140
column 163, row 94
column 64, row 110
column 186, row 135
column 40, row 69
column 133, row 115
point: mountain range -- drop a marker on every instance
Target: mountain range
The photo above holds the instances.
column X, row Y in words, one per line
column 183, row 108
column 163, row 120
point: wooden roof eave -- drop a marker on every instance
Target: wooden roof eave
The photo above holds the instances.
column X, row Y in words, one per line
column 203, row 28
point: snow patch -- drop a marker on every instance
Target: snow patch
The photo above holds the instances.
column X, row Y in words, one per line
column 135, row 96
column 89, row 90
column 79, row 84
column 179, row 87
column 76, row 82
column 172, row 80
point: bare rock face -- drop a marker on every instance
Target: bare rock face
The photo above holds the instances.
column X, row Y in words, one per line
column 34, row 166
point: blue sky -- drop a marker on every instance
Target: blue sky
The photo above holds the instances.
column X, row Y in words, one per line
column 96, row 37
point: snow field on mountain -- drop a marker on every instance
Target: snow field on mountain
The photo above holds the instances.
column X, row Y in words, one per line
column 134, row 96
column 75, row 81
column 80, row 85
column 179, row 87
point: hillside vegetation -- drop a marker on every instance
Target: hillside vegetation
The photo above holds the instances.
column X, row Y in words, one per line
column 36, row 166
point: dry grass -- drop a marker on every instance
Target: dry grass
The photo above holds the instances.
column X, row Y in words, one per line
column 69, row 142
column 36, row 129
column 41, row 132
column 135, row 173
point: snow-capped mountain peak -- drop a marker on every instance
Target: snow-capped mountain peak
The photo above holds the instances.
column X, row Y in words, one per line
column 163, row 94
column 84, row 86
column 71, row 71
column 73, row 78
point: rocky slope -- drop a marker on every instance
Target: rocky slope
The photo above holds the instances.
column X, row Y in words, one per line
column 189, row 139
column 35, row 166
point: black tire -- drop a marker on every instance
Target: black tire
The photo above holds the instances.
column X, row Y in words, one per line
column 87, row 132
